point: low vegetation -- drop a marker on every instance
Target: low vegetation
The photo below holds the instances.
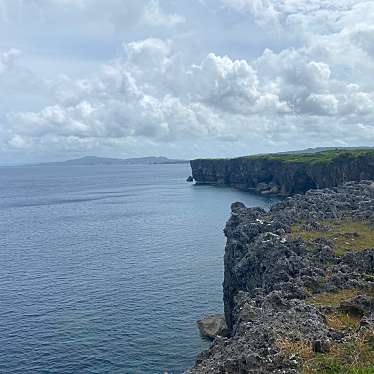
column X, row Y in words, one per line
column 341, row 320
column 332, row 299
column 345, row 236
column 316, row 157
column 354, row 356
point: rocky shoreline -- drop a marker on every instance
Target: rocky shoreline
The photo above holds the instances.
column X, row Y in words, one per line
column 299, row 286
column 286, row 174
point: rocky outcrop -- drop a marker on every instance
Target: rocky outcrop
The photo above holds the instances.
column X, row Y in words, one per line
column 213, row 326
column 283, row 176
column 298, row 288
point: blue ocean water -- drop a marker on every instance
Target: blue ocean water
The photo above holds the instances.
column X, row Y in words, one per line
column 105, row 269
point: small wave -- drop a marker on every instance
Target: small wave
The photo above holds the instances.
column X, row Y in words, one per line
column 27, row 204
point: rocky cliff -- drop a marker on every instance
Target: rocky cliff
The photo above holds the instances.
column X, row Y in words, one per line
column 299, row 286
column 286, row 174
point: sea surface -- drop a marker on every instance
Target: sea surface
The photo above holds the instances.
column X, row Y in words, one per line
column 105, row 269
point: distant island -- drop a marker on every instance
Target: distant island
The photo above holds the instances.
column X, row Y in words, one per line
column 93, row 160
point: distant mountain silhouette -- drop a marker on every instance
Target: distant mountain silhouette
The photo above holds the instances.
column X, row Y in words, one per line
column 93, row 160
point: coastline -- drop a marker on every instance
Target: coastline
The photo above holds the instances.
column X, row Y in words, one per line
column 286, row 174
column 295, row 294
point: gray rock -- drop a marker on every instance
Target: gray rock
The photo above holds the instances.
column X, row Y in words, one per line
column 213, row 326
column 274, row 188
column 266, row 273
column 321, row 346
column 189, row 179
column 286, row 177
column 262, row 187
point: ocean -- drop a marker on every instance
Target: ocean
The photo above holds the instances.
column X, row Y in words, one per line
column 105, row 269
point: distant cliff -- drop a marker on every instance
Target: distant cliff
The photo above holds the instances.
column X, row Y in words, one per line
column 286, row 174
column 299, row 286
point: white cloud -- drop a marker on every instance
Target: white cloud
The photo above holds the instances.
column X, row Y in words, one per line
column 324, row 104
column 232, row 86
column 315, row 15
column 133, row 97
column 363, row 36
column 122, row 13
column 265, row 12
column 148, row 56
column 314, row 88
column 153, row 15
column 8, row 59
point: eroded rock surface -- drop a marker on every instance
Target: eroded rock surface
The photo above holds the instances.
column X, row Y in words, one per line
column 298, row 291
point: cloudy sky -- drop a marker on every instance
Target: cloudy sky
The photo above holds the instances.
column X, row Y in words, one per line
column 183, row 78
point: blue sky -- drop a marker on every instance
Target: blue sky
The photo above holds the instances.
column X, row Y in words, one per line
column 185, row 79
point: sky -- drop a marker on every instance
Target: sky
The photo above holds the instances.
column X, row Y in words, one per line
column 183, row 78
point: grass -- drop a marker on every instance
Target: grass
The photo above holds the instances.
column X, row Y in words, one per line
column 301, row 348
column 317, row 157
column 332, row 299
column 354, row 356
column 341, row 320
column 335, row 298
column 355, row 353
column 345, row 235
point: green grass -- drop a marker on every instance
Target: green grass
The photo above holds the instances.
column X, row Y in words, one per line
column 321, row 157
column 329, row 365
column 340, row 320
column 332, row 299
column 318, row 157
column 345, row 236
column 352, row 356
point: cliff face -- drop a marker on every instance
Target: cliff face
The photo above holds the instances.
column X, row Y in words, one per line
column 299, row 286
column 269, row 175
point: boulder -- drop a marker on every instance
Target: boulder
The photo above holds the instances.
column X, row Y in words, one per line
column 274, row 188
column 262, row 187
column 321, row 346
column 189, row 179
column 213, row 326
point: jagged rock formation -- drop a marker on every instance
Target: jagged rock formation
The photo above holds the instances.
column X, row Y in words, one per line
column 299, row 286
column 286, row 174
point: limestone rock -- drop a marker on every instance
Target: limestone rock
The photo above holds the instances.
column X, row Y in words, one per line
column 213, row 326
column 262, row 187
column 272, row 176
column 275, row 284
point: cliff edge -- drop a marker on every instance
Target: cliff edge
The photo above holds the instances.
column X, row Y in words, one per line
column 299, row 286
column 286, row 174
